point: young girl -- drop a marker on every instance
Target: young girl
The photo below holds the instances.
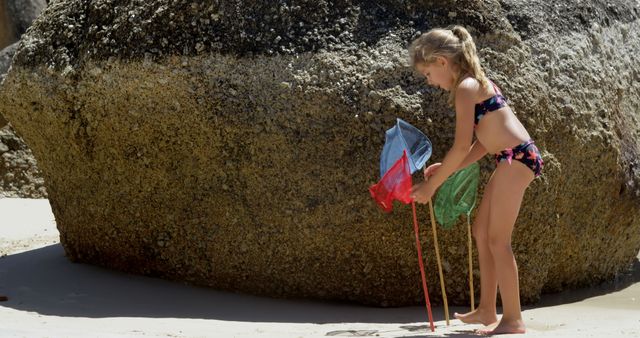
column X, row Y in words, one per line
column 447, row 58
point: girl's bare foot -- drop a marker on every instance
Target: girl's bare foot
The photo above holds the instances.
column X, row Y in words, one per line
column 506, row 326
column 478, row 316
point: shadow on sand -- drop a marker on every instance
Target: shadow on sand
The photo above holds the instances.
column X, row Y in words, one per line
column 621, row 281
column 46, row 282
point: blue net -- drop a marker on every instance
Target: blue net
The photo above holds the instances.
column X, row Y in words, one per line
column 403, row 136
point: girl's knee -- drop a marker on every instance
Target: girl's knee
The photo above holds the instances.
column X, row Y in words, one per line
column 500, row 246
column 480, row 233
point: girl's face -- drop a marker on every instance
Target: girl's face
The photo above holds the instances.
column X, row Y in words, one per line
column 437, row 73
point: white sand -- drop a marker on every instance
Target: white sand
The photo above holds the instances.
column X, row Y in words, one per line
column 52, row 297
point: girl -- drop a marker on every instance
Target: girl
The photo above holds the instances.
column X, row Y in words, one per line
column 447, row 58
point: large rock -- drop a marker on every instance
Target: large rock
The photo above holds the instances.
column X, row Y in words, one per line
column 232, row 145
column 6, row 55
column 19, row 173
column 15, row 18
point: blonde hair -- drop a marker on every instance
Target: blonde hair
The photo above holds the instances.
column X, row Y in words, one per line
column 455, row 44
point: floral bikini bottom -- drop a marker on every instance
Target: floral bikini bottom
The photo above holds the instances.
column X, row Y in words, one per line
column 527, row 153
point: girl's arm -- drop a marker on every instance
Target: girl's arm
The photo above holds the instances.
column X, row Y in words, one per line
column 476, row 152
column 460, row 150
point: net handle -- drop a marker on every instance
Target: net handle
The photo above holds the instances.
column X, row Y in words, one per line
column 424, row 279
column 469, row 246
column 435, row 244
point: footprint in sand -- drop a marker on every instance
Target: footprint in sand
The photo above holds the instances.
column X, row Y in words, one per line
column 353, row 333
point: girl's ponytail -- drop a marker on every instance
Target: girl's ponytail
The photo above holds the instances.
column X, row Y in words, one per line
column 468, row 59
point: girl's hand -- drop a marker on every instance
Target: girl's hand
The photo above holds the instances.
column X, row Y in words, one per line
column 423, row 192
column 431, row 170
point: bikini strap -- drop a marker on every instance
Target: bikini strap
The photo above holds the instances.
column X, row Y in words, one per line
column 495, row 88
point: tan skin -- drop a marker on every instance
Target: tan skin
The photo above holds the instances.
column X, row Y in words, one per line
column 503, row 194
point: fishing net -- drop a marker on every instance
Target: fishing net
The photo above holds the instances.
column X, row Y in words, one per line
column 406, row 149
column 394, row 185
column 403, row 136
column 457, row 196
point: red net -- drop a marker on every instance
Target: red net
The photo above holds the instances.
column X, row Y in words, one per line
column 394, row 185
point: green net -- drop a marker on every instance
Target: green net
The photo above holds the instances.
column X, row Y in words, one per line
column 457, row 196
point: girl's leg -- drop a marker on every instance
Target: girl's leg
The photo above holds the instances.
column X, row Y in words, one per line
column 509, row 184
column 486, row 311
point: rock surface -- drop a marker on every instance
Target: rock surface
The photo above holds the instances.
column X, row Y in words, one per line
column 232, row 144
column 19, row 173
column 6, row 55
column 7, row 34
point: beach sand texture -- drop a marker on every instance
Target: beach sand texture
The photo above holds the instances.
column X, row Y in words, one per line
column 53, row 297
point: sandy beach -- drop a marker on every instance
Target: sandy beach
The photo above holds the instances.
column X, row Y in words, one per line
column 51, row 297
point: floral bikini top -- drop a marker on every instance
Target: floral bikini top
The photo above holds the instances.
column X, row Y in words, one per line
column 495, row 102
